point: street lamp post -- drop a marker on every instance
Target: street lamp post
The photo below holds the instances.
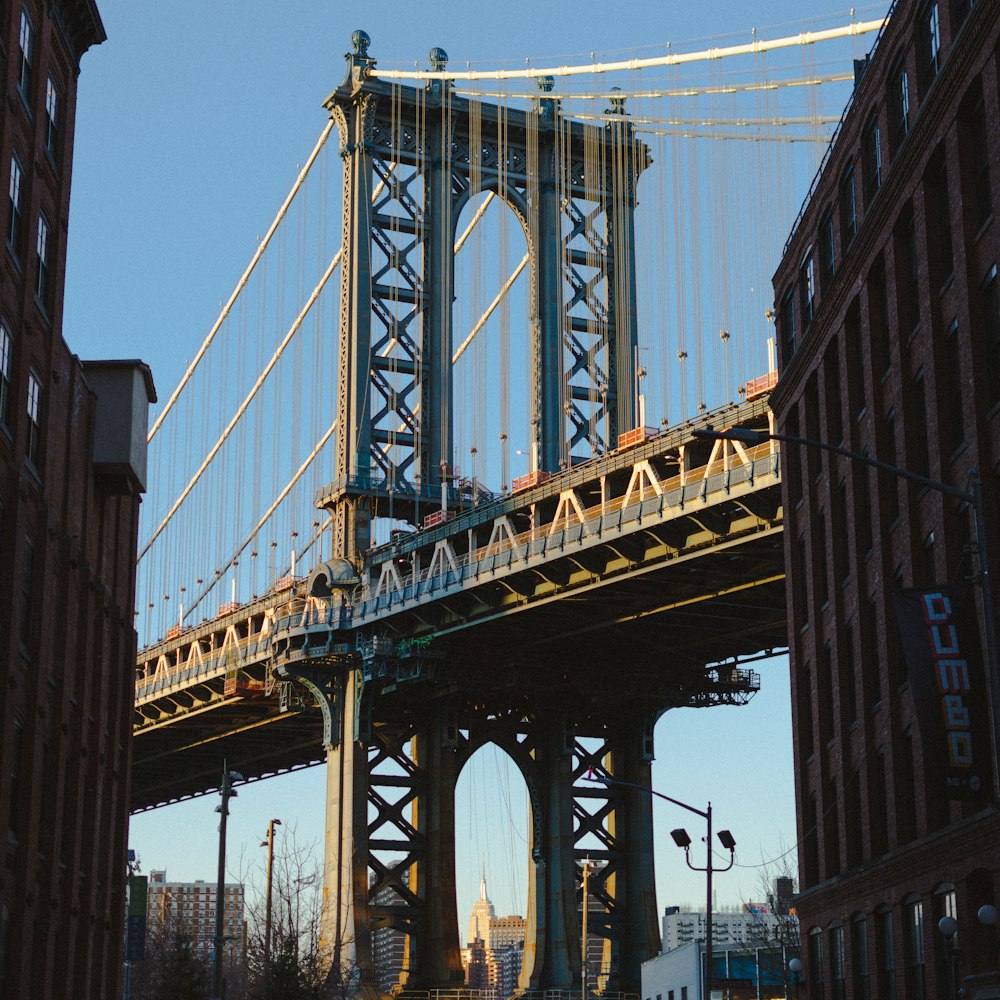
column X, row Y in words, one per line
column 948, row 926
column 795, row 968
column 681, row 839
column 269, row 844
column 227, row 792
column 973, row 497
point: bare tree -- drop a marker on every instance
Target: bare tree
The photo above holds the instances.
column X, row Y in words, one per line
column 774, row 925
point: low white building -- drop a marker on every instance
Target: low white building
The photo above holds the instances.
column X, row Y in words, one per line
column 678, row 974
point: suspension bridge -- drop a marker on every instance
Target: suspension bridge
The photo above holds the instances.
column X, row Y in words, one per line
column 501, row 296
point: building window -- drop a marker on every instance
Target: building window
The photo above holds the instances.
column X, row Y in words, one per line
column 892, row 482
column 855, row 349
column 930, row 43
column 803, row 587
column 51, row 117
column 921, row 461
column 15, row 200
column 42, row 251
column 805, row 720
column 27, row 587
column 831, row 831
column 930, row 569
column 853, row 828
column 898, row 103
column 975, row 151
column 878, row 317
column 838, row 966
column 824, row 701
column 859, row 946
column 5, row 373
column 848, row 207
column 913, row 948
column 874, row 664
column 885, row 951
column 873, row 159
column 822, row 569
column 816, row 976
column 991, row 327
column 938, row 200
column 907, row 273
column 787, row 320
column 807, row 288
column 959, row 11
column 25, row 43
column 14, row 777
column 33, row 445
column 953, row 426
column 849, row 684
column 827, row 250
column 944, row 948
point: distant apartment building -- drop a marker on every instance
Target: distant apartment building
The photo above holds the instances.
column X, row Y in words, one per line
column 755, row 924
column 388, row 944
column 189, row 908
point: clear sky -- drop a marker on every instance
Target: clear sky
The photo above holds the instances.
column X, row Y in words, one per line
column 191, row 121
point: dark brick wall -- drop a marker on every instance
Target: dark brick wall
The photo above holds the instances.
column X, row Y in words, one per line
column 67, row 641
column 894, row 361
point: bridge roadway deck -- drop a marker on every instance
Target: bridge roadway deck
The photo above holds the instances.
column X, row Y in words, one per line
column 615, row 584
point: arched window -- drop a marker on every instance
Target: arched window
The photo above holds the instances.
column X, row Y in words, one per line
column 913, row 947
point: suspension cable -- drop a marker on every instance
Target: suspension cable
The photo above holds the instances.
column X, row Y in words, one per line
column 241, row 284
column 755, row 47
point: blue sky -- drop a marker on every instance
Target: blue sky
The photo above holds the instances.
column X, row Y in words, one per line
column 191, row 121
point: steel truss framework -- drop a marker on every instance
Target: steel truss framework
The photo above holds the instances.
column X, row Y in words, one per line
column 572, row 187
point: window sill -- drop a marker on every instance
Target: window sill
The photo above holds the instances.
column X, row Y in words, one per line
column 40, row 306
column 15, row 260
column 25, row 104
column 957, row 452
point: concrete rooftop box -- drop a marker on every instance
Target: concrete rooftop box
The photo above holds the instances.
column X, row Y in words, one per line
column 124, row 391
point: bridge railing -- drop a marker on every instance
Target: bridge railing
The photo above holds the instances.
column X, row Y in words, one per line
column 673, row 494
column 192, row 664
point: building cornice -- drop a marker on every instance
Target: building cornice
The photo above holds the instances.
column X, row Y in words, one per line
column 81, row 25
column 875, row 222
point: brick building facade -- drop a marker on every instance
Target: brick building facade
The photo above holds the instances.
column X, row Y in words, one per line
column 889, row 339
column 72, row 465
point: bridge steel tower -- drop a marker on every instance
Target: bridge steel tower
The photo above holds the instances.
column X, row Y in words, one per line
column 409, row 169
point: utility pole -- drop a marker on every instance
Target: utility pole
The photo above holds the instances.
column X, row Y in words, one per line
column 227, row 792
column 269, row 843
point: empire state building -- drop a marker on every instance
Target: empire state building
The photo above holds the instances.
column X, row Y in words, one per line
column 482, row 913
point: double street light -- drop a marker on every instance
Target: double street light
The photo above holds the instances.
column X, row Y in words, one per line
column 973, row 497
column 682, row 840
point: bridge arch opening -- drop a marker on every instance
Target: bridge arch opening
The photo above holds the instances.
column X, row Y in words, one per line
column 491, row 343
column 492, row 817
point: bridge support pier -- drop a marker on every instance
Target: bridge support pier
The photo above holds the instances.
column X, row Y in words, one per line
column 433, row 958
column 345, row 936
column 551, row 947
